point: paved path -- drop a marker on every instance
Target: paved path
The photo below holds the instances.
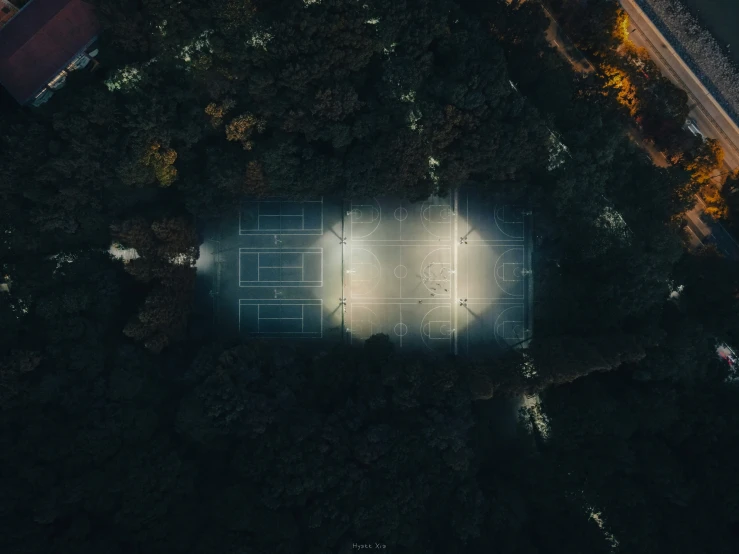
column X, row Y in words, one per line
column 710, row 117
column 657, row 157
column 709, row 231
column 557, row 38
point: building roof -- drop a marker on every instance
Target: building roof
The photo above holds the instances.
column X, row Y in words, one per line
column 7, row 11
column 40, row 41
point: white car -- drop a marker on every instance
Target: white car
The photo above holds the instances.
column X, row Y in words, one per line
column 691, row 126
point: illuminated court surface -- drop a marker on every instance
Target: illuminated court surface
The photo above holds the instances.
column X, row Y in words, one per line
column 449, row 275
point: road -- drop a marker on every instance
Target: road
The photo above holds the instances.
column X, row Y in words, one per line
column 709, row 116
column 711, row 119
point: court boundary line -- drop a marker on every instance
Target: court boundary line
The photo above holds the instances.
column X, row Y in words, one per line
column 266, row 232
column 409, row 301
column 351, row 218
column 351, row 319
column 495, row 272
column 259, row 302
column 425, row 323
column 281, row 284
column 443, row 322
column 426, row 207
column 421, row 249
column 502, row 208
column 352, row 265
column 521, row 322
column 504, row 242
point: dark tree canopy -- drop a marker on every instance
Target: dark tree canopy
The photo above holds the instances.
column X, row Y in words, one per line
column 125, row 429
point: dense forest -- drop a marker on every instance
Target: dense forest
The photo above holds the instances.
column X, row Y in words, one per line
column 124, row 431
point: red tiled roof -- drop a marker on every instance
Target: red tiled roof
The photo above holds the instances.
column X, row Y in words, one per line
column 40, row 41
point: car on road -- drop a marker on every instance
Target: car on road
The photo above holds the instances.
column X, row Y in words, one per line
column 692, row 126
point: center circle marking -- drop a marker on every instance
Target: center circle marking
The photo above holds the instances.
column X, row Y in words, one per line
column 401, row 272
column 401, row 213
column 400, row 329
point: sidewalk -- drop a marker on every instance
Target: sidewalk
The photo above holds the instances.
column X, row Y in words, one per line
column 710, row 231
column 557, row 38
column 710, row 117
column 702, row 228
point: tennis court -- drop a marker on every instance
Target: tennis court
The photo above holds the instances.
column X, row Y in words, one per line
column 449, row 275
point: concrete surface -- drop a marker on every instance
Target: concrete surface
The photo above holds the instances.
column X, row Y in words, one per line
column 448, row 275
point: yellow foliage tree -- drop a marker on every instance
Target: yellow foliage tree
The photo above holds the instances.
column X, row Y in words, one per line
column 218, row 112
column 715, row 204
column 242, row 128
column 626, row 95
column 161, row 159
column 621, row 29
column 702, row 165
column 708, row 158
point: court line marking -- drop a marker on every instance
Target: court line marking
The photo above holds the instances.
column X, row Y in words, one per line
column 441, row 322
column 351, row 317
column 409, row 242
column 426, row 208
column 267, row 301
column 400, row 316
column 497, row 242
column 495, row 273
column 455, row 267
column 403, row 301
column 276, row 284
column 400, row 264
column 425, row 322
column 352, row 207
column 497, row 325
column 501, row 209
column 259, row 302
column 443, row 264
column 503, row 301
column 444, row 242
column 352, row 279
column 506, row 243
column 280, row 231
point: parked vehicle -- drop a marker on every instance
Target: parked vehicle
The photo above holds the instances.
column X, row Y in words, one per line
column 692, row 126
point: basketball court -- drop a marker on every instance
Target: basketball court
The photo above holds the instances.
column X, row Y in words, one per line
column 448, row 275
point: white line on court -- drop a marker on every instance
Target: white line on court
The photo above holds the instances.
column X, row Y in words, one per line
column 400, row 309
column 404, row 301
column 400, row 281
column 455, row 265
column 317, row 302
column 495, row 272
column 498, row 223
column 283, row 231
column 412, row 242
